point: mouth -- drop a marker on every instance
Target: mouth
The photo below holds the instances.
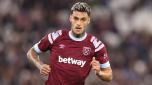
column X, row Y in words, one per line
column 78, row 28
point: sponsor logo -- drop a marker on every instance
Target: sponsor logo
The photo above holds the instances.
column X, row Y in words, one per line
column 70, row 60
column 86, row 51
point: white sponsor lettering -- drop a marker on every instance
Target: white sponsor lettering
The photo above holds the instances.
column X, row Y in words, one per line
column 69, row 60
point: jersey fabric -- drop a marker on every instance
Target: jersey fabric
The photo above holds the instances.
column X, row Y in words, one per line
column 70, row 57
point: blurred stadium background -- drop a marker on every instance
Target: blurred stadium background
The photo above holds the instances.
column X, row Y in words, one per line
column 124, row 25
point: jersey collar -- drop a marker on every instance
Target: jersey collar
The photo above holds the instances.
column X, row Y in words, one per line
column 77, row 39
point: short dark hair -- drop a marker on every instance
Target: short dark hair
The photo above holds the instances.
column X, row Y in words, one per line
column 82, row 7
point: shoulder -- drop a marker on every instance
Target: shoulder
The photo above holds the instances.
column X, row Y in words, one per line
column 52, row 36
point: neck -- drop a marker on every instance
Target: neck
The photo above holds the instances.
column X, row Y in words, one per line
column 78, row 35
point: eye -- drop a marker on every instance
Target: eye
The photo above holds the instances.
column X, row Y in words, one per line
column 76, row 18
column 83, row 19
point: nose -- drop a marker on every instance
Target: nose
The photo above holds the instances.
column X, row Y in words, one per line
column 78, row 23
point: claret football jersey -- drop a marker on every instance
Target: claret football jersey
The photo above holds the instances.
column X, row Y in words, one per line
column 70, row 57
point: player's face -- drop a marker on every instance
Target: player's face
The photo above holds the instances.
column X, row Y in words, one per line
column 79, row 22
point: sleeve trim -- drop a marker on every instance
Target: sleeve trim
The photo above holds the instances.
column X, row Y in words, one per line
column 50, row 39
column 105, row 65
column 36, row 48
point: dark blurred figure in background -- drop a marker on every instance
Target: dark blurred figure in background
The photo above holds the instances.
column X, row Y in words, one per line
column 124, row 25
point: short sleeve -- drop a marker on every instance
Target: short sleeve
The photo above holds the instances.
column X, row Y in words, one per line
column 102, row 57
column 43, row 45
column 47, row 41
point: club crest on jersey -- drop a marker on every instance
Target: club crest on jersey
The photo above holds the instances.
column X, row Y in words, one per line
column 86, row 51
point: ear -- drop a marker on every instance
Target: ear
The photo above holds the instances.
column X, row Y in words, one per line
column 70, row 18
column 88, row 20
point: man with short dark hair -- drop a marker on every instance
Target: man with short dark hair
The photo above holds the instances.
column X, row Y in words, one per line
column 73, row 52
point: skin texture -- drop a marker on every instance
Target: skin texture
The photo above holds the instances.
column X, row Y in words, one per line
column 79, row 22
column 34, row 58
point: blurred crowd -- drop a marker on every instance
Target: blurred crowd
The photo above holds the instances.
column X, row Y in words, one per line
column 123, row 25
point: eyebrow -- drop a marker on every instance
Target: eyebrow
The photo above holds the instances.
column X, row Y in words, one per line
column 75, row 17
column 79, row 18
